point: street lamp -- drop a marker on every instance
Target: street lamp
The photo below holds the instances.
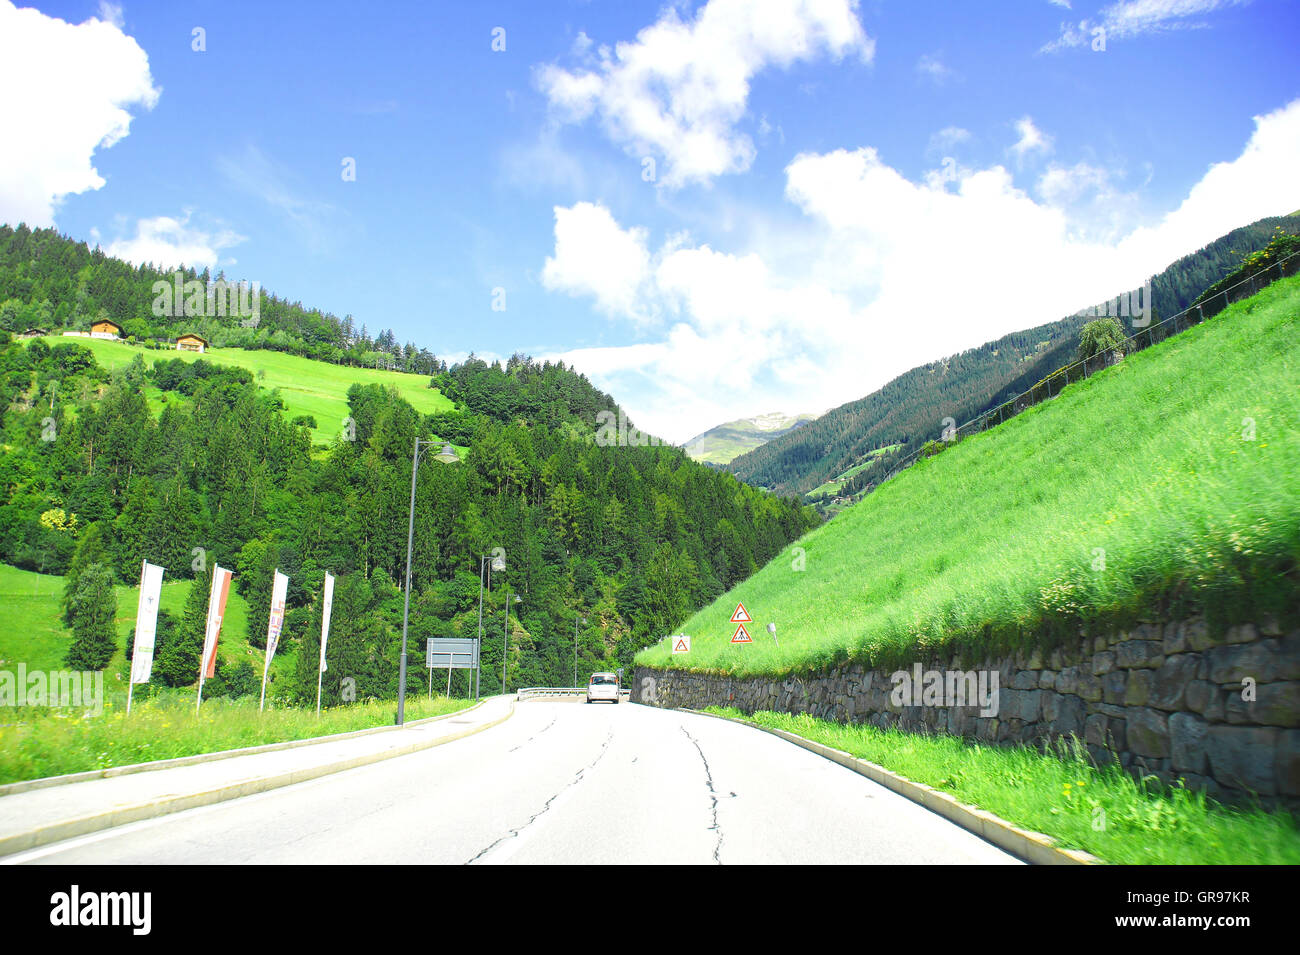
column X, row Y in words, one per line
column 576, row 621
column 505, row 646
column 406, row 606
column 498, row 564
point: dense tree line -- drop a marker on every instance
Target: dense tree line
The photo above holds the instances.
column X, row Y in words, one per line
column 98, row 477
column 911, row 409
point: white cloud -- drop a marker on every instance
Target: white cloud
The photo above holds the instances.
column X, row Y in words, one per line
column 1063, row 185
column 594, row 257
column 1032, row 139
column 681, row 87
column 1132, row 18
column 68, row 92
column 171, row 243
column 903, row 273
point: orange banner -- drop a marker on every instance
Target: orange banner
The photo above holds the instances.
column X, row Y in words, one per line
column 216, row 612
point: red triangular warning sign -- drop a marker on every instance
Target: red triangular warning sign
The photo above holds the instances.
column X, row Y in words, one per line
column 741, row 635
column 681, row 645
column 741, row 615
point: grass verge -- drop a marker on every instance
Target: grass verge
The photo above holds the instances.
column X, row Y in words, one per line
column 1103, row 811
column 44, row 741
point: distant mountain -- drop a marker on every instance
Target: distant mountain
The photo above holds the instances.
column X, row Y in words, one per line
column 721, row 444
column 912, row 408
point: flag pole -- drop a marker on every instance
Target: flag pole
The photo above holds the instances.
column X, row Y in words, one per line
column 130, row 670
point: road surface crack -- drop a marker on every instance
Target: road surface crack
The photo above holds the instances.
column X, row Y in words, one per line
column 535, row 735
column 577, row 778
column 713, row 796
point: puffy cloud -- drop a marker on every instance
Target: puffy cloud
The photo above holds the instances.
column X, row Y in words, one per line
column 593, row 256
column 171, row 243
column 55, row 119
column 902, row 273
column 681, row 87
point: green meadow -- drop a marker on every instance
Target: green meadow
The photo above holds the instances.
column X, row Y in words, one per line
column 32, row 632
column 307, row 387
column 1166, row 483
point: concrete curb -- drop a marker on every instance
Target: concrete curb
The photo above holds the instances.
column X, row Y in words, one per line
column 26, row 785
column 122, row 815
column 1033, row 847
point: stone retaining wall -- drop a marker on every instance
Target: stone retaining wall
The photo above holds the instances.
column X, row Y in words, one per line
column 1169, row 700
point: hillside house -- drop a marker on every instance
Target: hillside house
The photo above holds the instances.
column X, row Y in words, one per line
column 191, row 342
column 106, row 328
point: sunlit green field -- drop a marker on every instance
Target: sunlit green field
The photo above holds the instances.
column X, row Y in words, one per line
column 307, row 387
column 1169, row 477
column 32, row 632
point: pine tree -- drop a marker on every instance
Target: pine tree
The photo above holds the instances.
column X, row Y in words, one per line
column 94, row 609
column 90, row 550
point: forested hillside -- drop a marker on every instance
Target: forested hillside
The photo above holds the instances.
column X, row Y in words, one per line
column 912, row 408
column 631, row 538
column 51, row 281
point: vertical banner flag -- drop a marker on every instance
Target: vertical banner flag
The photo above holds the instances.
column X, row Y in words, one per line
column 278, row 591
column 325, row 617
column 327, row 605
column 146, row 623
column 276, row 623
column 216, row 611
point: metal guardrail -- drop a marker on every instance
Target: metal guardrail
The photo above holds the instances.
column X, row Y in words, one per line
column 1054, row 382
column 555, row 692
column 545, row 692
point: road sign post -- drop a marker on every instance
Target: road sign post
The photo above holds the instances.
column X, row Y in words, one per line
column 454, row 653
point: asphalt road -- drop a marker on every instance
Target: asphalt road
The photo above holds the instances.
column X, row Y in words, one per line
column 561, row 782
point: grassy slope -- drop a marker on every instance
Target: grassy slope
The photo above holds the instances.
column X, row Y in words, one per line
column 32, row 632
column 308, row 387
column 1146, row 461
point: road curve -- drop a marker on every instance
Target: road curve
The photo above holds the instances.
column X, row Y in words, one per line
column 560, row 782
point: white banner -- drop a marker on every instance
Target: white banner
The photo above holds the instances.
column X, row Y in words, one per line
column 146, row 623
column 328, row 606
column 278, row 590
column 276, row 623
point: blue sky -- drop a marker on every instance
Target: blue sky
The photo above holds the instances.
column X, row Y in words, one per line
column 715, row 210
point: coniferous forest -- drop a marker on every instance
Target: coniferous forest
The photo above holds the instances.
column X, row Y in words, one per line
column 193, row 464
